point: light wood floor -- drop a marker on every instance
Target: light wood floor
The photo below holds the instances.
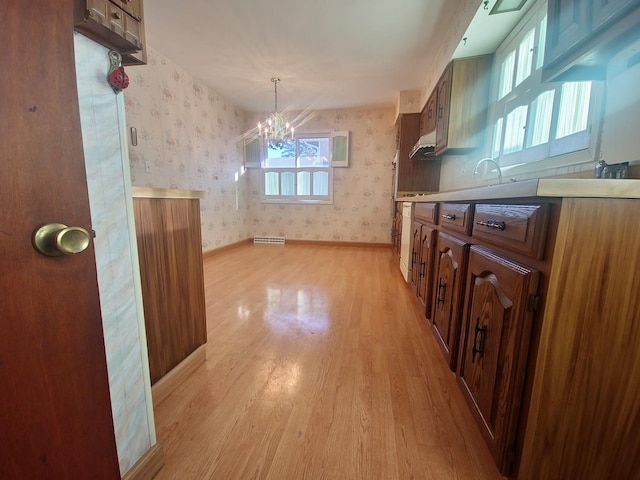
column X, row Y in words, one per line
column 320, row 365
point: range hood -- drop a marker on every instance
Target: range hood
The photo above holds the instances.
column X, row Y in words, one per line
column 424, row 147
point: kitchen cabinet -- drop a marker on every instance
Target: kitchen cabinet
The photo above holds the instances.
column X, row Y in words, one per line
column 548, row 347
column 425, row 215
column 448, row 292
column 462, row 95
column 414, row 175
column 116, row 24
column 583, row 36
column 428, row 115
column 495, row 337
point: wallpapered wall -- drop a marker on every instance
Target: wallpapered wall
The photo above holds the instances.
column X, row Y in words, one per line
column 361, row 210
column 189, row 137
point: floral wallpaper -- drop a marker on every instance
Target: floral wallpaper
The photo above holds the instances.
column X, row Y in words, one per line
column 189, row 137
column 361, row 210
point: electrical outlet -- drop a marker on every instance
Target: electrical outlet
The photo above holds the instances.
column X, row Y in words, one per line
column 147, row 167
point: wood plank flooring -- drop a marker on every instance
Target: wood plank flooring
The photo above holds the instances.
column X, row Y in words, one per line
column 320, row 365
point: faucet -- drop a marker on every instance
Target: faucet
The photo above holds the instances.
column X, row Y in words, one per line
column 488, row 159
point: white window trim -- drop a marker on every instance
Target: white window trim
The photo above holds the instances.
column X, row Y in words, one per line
column 542, row 159
column 298, row 199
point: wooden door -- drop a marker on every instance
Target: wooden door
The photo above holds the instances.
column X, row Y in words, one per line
column 568, row 24
column 415, row 255
column 425, row 276
column 448, row 292
column 494, row 349
column 606, row 11
column 442, row 112
column 55, row 411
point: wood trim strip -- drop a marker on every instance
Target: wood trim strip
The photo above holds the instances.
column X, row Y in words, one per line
column 149, row 192
column 216, row 251
column 338, row 244
column 163, row 387
column 148, row 466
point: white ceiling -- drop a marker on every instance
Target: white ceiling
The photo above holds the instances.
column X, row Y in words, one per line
column 329, row 54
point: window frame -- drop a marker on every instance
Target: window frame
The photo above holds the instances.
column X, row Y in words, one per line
column 570, row 151
column 295, row 198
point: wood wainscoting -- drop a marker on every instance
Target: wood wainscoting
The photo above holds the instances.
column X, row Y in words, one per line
column 170, row 253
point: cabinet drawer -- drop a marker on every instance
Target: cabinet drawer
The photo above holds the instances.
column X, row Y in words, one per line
column 519, row 228
column 456, row 217
column 427, row 212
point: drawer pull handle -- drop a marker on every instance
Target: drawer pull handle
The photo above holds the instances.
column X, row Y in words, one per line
column 441, row 292
column 478, row 340
column 449, row 216
column 496, row 225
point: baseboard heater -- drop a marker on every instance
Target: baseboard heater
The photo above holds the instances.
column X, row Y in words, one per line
column 269, row 240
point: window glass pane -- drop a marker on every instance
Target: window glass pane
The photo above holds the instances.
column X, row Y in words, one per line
column 506, row 74
column 281, row 157
column 574, row 108
column 514, row 130
column 497, row 139
column 540, row 120
column 304, row 183
column 313, row 152
column 288, row 183
column 542, row 39
column 321, row 183
column 271, row 184
column 525, row 57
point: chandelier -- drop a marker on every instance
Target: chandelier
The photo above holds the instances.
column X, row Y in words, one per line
column 276, row 131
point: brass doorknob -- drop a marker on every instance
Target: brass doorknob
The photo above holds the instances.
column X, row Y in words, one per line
column 56, row 239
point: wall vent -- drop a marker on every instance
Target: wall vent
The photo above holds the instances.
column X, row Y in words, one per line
column 269, row 240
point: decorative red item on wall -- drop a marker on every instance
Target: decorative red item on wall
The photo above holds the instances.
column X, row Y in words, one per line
column 118, row 78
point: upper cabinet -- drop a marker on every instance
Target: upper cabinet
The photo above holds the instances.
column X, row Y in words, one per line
column 462, row 95
column 428, row 115
column 583, row 35
column 414, row 174
column 116, row 24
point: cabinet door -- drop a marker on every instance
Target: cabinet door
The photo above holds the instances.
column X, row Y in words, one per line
column 408, row 133
column 448, row 290
column 605, row 11
column 425, row 275
column 428, row 115
column 442, row 110
column 494, row 348
column 567, row 25
column 415, row 255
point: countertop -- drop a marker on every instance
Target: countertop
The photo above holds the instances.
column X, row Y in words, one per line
column 541, row 187
column 149, row 192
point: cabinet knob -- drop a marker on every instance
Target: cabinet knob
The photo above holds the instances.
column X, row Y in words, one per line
column 116, row 15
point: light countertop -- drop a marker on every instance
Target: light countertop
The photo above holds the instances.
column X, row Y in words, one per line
column 542, row 187
column 149, row 192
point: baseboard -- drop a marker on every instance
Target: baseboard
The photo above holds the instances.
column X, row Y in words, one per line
column 337, row 244
column 216, row 251
column 178, row 374
column 148, row 466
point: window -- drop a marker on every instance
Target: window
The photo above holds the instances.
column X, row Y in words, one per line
column 538, row 125
column 299, row 172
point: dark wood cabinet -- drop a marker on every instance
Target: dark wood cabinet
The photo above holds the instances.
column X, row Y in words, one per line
column 496, row 329
column 428, row 115
column 116, row 24
column 448, row 293
column 583, row 36
column 414, row 175
column 425, row 218
column 461, row 105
